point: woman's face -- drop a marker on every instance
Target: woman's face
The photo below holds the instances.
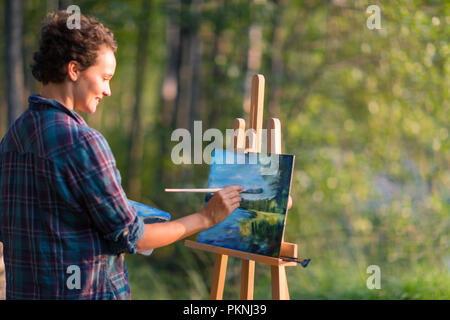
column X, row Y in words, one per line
column 93, row 83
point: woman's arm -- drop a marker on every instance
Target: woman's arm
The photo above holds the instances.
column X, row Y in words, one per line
column 218, row 208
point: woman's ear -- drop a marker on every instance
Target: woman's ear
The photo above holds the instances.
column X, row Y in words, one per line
column 73, row 70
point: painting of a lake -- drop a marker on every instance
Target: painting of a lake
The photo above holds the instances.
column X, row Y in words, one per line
column 257, row 225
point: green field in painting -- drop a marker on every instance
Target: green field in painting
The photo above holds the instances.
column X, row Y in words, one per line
column 263, row 229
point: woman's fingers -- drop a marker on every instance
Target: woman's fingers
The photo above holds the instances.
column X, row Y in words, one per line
column 234, row 201
column 232, row 196
column 223, row 203
column 228, row 194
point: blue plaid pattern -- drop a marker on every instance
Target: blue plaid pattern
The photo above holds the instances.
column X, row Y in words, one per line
column 62, row 208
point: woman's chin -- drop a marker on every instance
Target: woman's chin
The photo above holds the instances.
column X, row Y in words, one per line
column 91, row 108
column 88, row 109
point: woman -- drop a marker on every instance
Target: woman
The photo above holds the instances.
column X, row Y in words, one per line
column 65, row 220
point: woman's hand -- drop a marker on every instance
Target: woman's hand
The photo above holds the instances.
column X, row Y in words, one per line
column 221, row 205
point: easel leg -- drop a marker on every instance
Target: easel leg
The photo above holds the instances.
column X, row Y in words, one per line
column 247, row 279
column 218, row 281
column 280, row 290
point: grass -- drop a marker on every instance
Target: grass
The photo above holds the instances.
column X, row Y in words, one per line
column 309, row 283
column 332, row 274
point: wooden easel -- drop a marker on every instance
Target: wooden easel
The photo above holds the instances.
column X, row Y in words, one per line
column 280, row 289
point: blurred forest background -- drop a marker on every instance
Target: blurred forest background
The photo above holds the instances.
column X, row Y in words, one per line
column 366, row 112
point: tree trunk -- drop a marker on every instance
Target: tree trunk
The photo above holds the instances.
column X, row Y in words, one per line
column 181, row 85
column 189, row 74
column 185, row 76
column 190, row 65
column 214, row 110
column 169, row 91
column 170, row 85
column 14, row 81
column 14, row 64
column 195, row 61
column 136, row 135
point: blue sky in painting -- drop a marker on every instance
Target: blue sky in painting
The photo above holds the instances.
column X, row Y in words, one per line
column 245, row 175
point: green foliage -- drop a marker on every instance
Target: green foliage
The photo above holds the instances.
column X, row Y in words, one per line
column 268, row 205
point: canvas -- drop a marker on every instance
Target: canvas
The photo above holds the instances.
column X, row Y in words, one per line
column 257, row 226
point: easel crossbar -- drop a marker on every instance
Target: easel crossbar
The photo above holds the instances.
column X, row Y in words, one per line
column 240, row 254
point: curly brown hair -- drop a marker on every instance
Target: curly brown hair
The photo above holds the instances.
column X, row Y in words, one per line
column 59, row 45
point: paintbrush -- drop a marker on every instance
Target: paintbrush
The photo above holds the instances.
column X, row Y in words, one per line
column 212, row 190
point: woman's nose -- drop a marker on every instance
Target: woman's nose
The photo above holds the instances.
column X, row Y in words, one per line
column 107, row 91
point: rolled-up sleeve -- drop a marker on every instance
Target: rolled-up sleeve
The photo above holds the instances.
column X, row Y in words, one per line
column 99, row 183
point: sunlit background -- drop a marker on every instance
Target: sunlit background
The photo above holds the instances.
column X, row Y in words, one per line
column 365, row 112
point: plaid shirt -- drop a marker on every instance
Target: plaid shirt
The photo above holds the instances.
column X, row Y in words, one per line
column 65, row 220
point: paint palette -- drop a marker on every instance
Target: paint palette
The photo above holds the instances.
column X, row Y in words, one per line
column 149, row 215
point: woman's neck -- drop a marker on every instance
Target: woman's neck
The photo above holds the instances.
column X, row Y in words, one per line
column 59, row 92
